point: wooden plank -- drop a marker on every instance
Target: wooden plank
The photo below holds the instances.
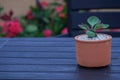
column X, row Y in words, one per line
column 29, row 75
column 105, row 17
column 42, row 39
column 44, row 49
column 45, row 39
column 57, row 55
column 38, row 54
column 115, row 43
column 58, row 65
column 37, row 68
column 115, row 49
column 47, row 44
column 4, row 39
column 1, row 43
column 44, row 61
column 59, row 76
column 36, row 61
column 56, row 68
column 40, row 44
column 54, row 55
column 36, row 49
column 116, row 39
column 94, row 4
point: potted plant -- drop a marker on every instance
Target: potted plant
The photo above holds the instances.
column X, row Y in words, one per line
column 93, row 49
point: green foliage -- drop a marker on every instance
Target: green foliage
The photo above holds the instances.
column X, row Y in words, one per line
column 31, row 28
column 43, row 20
column 93, row 20
column 99, row 26
column 46, row 18
column 91, row 34
column 95, row 24
column 84, row 26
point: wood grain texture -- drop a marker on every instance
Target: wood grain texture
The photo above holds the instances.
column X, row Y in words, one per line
column 94, row 4
column 105, row 17
column 51, row 59
column 80, row 10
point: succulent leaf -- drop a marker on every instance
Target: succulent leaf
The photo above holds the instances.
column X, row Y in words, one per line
column 91, row 34
column 100, row 26
column 95, row 23
column 93, row 20
column 105, row 26
column 84, row 26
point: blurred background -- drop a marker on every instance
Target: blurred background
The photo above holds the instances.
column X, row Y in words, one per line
column 33, row 18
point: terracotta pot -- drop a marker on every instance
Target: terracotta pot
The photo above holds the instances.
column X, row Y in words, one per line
column 93, row 53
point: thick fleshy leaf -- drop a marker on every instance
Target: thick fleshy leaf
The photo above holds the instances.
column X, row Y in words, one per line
column 93, row 20
column 105, row 26
column 84, row 26
column 91, row 34
column 100, row 26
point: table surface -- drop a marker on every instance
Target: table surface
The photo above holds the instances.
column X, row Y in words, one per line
column 50, row 59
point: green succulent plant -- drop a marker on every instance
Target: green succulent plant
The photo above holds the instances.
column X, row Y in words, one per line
column 94, row 24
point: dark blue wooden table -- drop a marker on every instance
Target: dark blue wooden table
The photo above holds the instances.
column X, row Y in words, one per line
column 50, row 59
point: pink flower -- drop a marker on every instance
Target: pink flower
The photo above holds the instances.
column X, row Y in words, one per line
column 29, row 15
column 62, row 15
column 47, row 33
column 44, row 4
column 12, row 28
column 65, row 31
column 59, row 8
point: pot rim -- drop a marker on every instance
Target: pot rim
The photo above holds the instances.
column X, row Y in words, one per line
column 110, row 38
